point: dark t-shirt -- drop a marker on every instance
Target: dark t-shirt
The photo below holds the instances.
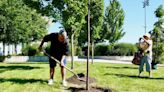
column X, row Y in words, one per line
column 57, row 49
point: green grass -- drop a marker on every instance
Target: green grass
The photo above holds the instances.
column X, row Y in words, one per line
column 32, row 77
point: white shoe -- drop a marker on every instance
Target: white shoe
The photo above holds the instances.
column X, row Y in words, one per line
column 64, row 83
column 50, row 81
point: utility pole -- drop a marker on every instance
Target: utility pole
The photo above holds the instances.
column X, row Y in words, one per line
column 145, row 3
column 88, row 55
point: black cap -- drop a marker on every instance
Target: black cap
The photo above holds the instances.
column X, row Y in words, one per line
column 64, row 33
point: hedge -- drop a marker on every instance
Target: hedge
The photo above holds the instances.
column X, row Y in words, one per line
column 31, row 50
column 2, row 58
column 121, row 49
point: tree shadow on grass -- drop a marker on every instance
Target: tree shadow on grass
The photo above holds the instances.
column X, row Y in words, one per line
column 16, row 67
column 26, row 63
column 22, row 81
column 13, row 67
column 118, row 67
column 1, row 71
column 133, row 76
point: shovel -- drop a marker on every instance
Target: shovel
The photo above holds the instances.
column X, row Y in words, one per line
column 78, row 77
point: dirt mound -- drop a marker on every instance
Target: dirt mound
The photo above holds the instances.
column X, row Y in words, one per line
column 93, row 89
column 82, row 80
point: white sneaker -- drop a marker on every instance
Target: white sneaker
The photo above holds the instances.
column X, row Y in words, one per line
column 64, row 83
column 50, row 81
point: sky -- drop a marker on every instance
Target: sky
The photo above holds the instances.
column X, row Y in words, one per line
column 134, row 18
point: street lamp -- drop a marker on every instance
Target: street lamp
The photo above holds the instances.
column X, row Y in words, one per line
column 145, row 3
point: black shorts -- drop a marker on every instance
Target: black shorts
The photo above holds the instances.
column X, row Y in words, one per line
column 52, row 62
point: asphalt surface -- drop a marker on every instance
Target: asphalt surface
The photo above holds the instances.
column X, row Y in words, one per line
column 108, row 61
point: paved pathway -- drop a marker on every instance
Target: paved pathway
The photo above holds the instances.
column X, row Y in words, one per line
column 109, row 61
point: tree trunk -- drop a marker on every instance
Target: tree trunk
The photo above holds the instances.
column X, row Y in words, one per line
column 23, row 45
column 3, row 48
column 15, row 45
column 87, row 74
column 12, row 48
column 92, row 51
column 72, row 51
column 8, row 49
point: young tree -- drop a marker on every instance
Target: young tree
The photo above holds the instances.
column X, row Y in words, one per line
column 158, row 36
column 73, row 17
column 96, row 18
column 113, row 22
column 97, row 14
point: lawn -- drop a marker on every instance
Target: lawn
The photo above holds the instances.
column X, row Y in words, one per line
column 32, row 77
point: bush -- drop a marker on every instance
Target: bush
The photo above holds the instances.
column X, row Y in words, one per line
column 101, row 50
column 121, row 49
column 162, row 59
column 31, row 50
column 158, row 53
column 79, row 51
column 2, row 58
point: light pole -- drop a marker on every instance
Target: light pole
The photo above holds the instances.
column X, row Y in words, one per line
column 145, row 3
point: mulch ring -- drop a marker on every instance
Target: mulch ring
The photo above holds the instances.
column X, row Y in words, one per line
column 92, row 89
column 82, row 81
column 75, row 80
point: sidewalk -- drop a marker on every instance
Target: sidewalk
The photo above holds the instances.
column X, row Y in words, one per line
column 105, row 61
column 109, row 61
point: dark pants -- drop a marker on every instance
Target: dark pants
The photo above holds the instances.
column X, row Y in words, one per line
column 52, row 62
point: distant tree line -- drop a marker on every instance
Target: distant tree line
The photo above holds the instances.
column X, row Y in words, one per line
column 20, row 23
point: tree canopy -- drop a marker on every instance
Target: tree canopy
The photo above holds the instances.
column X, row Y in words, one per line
column 20, row 23
column 96, row 17
column 113, row 22
column 158, row 31
column 158, row 36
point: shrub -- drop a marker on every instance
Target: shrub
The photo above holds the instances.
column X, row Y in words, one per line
column 2, row 58
column 158, row 53
column 101, row 50
column 79, row 51
column 121, row 49
column 31, row 50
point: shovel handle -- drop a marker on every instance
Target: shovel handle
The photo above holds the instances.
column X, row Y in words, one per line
column 60, row 63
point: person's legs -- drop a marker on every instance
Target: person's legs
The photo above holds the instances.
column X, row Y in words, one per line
column 141, row 65
column 63, row 73
column 52, row 65
column 50, row 81
column 52, row 71
column 148, row 65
